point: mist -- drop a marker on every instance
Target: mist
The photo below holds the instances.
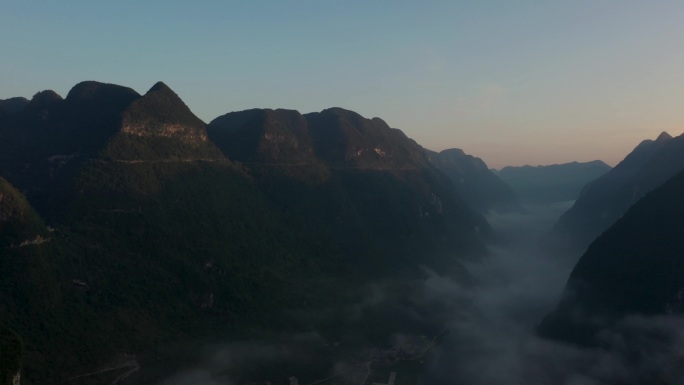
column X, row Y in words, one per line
column 518, row 284
column 489, row 321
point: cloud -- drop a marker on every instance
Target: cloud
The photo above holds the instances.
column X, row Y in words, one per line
column 491, row 326
column 228, row 363
column 495, row 343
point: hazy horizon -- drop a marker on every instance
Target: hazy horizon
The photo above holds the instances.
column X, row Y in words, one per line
column 514, row 84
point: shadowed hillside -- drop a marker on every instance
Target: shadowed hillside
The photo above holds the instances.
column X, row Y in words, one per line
column 634, row 268
column 476, row 183
column 161, row 239
column 605, row 200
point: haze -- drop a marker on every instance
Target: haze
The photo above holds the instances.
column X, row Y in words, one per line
column 512, row 82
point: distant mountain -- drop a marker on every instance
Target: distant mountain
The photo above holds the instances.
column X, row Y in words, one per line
column 476, row 183
column 163, row 233
column 606, row 199
column 553, row 183
column 634, row 267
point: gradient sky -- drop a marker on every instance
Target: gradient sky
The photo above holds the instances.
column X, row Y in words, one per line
column 513, row 82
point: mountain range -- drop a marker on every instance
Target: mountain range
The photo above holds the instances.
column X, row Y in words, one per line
column 131, row 231
column 603, row 201
column 553, row 183
column 477, row 184
column 633, row 268
column 131, row 227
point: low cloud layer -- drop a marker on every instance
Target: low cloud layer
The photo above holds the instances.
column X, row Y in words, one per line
column 491, row 323
column 520, row 283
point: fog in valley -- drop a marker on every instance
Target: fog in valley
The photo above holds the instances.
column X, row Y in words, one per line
column 518, row 284
column 489, row 325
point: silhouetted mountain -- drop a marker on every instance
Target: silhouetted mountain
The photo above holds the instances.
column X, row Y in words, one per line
column 476, row 183
column 158, row 240
column 553, row 183
column 634, row 267
column 44, row 145
column 606, row 199
column 363, row 171
column 13, row 105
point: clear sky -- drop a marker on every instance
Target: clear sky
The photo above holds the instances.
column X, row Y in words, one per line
column 511, row 81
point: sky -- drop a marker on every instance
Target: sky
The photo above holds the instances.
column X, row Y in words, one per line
column 513, row 82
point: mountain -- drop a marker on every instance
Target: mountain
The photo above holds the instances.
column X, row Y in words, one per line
column 476, row 183
column 553, row 183
column 46, row 145
column 159, row 126
column 606, row 199
column 165, row 235
column 634, row 268
column 13, row 105
column 346, row 139
column 19, row 223
column 362, row 171
column 268, row 141
column 10, row 357
column 43, row 146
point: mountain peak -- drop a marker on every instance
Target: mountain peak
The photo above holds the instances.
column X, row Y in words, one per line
column 43, row 99
column 161, row 104
column 663, row 137
column 160, row 87
column 454, row 152
column 91, row 90
column 168, row 127
column 13, row 105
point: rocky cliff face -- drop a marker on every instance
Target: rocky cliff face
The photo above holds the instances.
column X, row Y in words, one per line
column 160, row 127
column 161, row 113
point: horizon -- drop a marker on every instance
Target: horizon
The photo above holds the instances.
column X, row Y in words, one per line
column 513, row 84
column 490, row 166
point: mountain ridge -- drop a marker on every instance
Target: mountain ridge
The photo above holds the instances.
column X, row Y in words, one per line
column 604, row 200
column 633, row 268
column 478, row 185
column 160, row 239
column 551, row 183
